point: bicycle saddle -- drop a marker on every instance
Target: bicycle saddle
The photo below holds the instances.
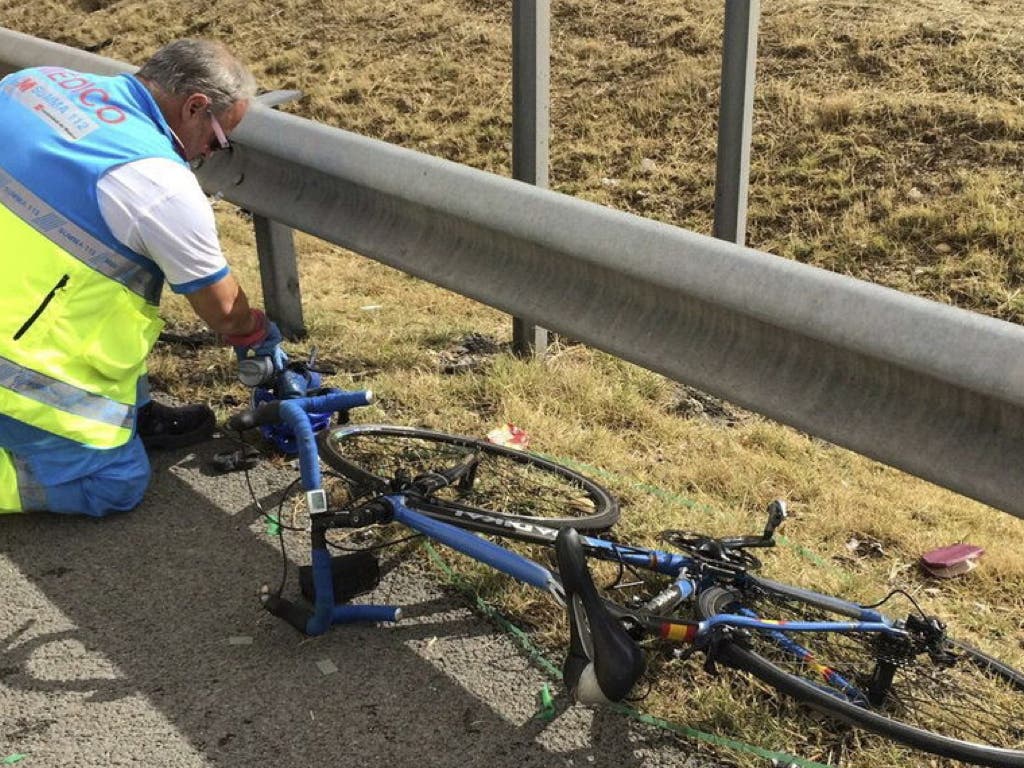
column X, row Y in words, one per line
column 604, row 662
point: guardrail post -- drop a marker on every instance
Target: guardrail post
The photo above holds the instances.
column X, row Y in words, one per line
column 735, row 118
column 531, row 45
column 275, row 247
column 279, row 275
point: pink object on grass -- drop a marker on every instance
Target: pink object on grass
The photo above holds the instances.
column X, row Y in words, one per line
column 946, row 562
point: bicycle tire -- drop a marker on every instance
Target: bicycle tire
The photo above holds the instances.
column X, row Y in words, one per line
column 513, row 493
column 972, row 711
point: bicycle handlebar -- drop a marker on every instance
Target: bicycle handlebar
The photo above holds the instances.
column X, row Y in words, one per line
column 270, row 413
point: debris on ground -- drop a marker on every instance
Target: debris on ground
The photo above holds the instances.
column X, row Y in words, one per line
column 953, row 560
column 691, row 403
column 861, row 545
column 327, row 667
column 510, row 436
column 188, row 335
column 470, row 353
column 233, row 461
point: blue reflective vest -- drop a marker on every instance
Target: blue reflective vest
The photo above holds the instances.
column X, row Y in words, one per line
column 77, row 308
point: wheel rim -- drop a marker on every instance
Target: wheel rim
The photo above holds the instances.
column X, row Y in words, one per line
column 977, row 699
column 507, row 483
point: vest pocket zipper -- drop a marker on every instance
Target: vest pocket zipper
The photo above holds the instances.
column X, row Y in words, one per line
column 42, row 305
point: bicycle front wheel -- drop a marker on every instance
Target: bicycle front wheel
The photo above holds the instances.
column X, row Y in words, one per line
column 510, row 493
column 961, row 703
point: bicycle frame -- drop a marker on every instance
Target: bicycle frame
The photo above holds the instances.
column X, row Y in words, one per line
column 700, row 634
column 325, row 613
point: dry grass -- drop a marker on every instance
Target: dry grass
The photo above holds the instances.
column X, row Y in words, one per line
column 888, row 143
column 887, row 136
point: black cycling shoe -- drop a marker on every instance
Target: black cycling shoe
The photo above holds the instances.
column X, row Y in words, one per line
column 161, row 426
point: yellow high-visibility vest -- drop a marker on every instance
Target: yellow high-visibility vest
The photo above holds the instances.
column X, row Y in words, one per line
column 10, row 499
column 78, row 310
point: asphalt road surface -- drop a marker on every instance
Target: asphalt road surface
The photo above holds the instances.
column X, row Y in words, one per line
column 138, row 640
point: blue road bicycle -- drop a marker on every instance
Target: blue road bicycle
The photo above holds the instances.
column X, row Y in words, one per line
column 904, row 677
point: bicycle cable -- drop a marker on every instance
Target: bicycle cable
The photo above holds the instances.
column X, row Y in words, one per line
column 351, row 502
column 280, row 532
column 276, row 521
column 619, row 549
column 899, row 592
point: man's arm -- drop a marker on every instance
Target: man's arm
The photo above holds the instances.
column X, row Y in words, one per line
column 155, row 207
column 224, row 307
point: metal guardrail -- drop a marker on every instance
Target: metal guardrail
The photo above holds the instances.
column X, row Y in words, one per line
column 933, row 390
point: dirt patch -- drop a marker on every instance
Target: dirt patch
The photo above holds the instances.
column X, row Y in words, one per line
column 471, row 353
column 691, row 403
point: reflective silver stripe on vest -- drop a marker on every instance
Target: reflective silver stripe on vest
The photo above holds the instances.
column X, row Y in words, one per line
column 70, row 237
column 65, row 397
column 31, row 493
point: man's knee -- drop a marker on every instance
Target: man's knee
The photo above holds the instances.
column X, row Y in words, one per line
column 116, row 482
column 117, row 491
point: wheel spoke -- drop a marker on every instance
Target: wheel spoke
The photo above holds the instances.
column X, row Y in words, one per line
column 514, row 486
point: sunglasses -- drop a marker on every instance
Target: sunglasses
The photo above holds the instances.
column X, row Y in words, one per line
column 218, row 131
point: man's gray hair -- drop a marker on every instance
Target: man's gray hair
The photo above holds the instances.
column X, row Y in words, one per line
column 190, row 66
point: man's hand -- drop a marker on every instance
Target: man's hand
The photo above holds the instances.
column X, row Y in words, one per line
column 269, row 347
column 225, row 308
column 264, row 341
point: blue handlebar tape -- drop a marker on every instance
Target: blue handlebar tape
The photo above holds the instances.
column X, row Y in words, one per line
column 347, row 614
column 338, row 400
column 480, row 549
column 293, row 413
column 326, row 612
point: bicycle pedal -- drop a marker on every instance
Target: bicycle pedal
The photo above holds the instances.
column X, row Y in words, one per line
column 352, row 575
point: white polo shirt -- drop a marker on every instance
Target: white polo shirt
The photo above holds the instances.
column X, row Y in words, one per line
column 157, row 208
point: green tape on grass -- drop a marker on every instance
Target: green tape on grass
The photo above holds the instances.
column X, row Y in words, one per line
column 545, row 704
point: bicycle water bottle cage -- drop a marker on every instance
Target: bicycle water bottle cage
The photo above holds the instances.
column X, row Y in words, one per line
column 604, row 662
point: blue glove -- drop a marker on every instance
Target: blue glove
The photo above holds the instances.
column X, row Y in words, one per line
column 270, row 346
column 263, row 342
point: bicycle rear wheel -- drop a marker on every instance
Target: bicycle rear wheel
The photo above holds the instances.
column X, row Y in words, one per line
column 510, row 493
column 971, row 710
